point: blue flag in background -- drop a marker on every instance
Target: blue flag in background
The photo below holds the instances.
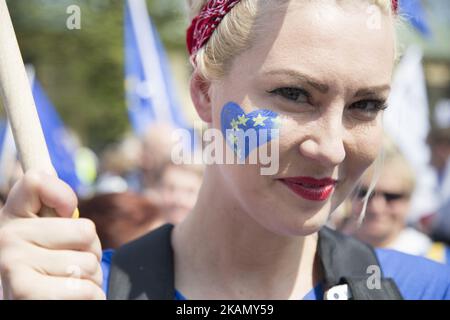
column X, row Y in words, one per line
column 59, row 143
column 413, row 10
column 2, row 133
column 149, row 86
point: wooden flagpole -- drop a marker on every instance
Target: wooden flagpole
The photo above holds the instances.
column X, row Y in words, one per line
column 17, row 98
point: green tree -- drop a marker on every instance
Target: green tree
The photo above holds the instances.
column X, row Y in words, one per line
column 82, row 70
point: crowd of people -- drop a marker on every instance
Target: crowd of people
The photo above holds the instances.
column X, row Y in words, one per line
column 385, row 223
column 137, row 188
column 239, row 234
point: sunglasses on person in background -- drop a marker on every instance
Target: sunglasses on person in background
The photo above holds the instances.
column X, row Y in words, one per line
column 388, row 196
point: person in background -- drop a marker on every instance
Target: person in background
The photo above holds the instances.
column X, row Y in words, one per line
column 156, row 154
column 439, row 224
column 120, row 217
column 120, row 167
column 385, row 221
column 178, row 190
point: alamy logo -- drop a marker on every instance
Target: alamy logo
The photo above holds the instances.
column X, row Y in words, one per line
column 73, row 22
column 374, row 280
column 374, row 17
column 229, row 147
column 74, row 272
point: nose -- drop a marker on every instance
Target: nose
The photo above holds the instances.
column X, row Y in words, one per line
column 376, row 204
column 325, row 144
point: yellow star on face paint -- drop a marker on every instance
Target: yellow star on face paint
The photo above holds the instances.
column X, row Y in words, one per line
column 243, row 119
column 259, row 120
column 277, row 121
column 234, row 124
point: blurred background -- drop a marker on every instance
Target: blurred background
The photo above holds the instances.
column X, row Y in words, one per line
column 97, row 70
column 101, row 70
column 82, row 70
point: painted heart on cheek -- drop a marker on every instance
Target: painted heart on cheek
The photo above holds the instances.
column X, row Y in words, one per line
column 246, row 131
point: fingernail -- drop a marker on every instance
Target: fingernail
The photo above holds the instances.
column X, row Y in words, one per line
column 76, row 214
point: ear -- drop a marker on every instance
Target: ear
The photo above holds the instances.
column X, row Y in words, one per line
column 200, row 95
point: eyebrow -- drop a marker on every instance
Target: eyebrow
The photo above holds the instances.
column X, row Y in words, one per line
column 321, row 87
column 372, row 91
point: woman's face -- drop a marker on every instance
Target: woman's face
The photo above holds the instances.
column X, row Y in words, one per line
column 325, row 69
column 387, row 208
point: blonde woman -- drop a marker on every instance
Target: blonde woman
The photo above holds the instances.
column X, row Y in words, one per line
column 316, row 72
column 388, row 206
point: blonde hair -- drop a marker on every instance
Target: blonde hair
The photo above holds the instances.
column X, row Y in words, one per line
column 234, row 34
column 393, row 156
column 390, row 155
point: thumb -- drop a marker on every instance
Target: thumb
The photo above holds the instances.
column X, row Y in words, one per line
column 37, row 190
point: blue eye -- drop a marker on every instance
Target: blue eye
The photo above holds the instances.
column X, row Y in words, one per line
column 369, row 106
column 293, row 94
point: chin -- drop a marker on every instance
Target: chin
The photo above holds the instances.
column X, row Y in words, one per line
column 302, row 225
column 375, row 229
column 291, row 216
column 374, row 233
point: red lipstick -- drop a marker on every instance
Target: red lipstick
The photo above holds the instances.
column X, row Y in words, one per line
column 311, row 188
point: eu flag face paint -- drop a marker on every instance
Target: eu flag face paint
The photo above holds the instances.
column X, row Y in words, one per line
column 245, row 132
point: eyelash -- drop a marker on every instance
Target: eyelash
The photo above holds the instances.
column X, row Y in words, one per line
column 293, row 94
column 287, row 93
column 379, row 105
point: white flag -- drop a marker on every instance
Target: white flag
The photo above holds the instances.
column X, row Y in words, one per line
column 406, row 121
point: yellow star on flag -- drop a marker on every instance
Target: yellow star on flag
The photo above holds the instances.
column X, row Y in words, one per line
column 259, row 120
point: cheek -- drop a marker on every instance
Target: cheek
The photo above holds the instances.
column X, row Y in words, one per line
column 363, row 150
column 246, row 179
column 400, row 211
